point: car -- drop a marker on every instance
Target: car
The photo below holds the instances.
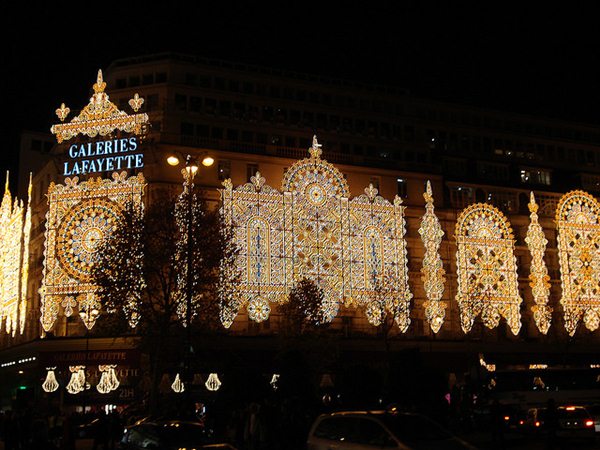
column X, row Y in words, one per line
column 574, row 422
column 168, row 435
column 594, row 411
column 358, row 430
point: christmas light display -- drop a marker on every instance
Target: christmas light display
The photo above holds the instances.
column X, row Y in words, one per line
column 578, row 225
column 99, row 117
column 538, row 276
column 433, row 269
column 312, row 230
column 487, row 271
column 213, row 383
column 483, row 363
column 77, row 383
column 274, row 381
column 80, row 218
column 178, row 385
column 50, row 384
column 108, row 379
column 15, row 227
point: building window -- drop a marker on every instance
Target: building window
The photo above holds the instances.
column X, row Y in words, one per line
column 148, row 78
column 161, row 77
column 251, row 170
column 461, row 197
column 224, row 170
column 180, row 102
column 187, row 129
column 401, row 188
column 536, row 176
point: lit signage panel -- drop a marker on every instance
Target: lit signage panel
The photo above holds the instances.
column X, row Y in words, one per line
column 104, row 156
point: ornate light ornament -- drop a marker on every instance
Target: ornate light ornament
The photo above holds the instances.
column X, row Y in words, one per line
column 15, row 227
column 213, row 383
column 578, row 225
column 274, row 381
column 108, row 379
column 178, row 385
column 487, row 270
column 483, row 363
column 77, row 382
column 433, row 273
column 312, row 230
column 538, row 276
column 50, row 384
column 99, row 117
column 81, row 216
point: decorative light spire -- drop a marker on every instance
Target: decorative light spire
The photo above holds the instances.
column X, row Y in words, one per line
column 538, row 276
column 100, row 84
column 433, row 273
column 315, row 150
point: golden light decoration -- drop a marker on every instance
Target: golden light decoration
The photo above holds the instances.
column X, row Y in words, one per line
column 313, row 230
column 483, row 363
column 99, row 117
column 433, row 273
column 50, row 384
column 108, row 379
column 487, row 269
column 213, row 383
column 538, row 276
column 538, row 366
column 274, row 381
column 178, row 385
column 77, row 382
column 15, row 228
column 81, row 216
column 578, row 225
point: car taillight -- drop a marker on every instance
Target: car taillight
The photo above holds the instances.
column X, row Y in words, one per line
column 589, row 423
column 521, row 422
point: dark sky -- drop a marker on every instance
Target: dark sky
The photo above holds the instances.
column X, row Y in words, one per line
column 531, row 57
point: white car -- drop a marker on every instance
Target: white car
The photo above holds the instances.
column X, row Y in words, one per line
column 358, row 430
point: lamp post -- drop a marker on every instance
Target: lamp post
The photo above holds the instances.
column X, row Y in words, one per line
column 189, row 172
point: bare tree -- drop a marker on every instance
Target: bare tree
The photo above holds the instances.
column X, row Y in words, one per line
column 139, row 277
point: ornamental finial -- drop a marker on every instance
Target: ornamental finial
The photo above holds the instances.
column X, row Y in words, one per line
column 100, row 84
column 428, row 194
column 533, row 206
column 6, row 184
column 371, row 192
column 315, row 151
column 136, row 102
column 62, row 112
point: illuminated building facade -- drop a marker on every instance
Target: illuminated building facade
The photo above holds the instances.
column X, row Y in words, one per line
column 485, row 265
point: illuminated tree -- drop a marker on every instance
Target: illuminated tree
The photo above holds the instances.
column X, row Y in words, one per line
column 304, row 310
column 143, row 260
column 119, row 273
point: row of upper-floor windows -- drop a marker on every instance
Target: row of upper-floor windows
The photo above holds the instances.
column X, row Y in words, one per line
column 415, row 109
column 507, row 148
column 382, row 106
column 436, row 139
column 204, row 131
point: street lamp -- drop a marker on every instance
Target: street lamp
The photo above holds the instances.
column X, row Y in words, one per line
column 192, row 165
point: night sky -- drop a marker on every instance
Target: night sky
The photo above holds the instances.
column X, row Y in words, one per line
column 533, row 58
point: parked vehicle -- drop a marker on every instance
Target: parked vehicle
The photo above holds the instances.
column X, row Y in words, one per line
column 359, row 430
column 594, row 411
column 168, row 435
column 574, row 422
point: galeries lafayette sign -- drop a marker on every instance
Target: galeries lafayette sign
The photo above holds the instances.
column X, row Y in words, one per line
column 103, row 156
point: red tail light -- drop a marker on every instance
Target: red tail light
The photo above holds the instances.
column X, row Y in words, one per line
column 589, row 423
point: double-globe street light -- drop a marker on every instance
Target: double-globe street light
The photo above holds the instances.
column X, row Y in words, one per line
column 192, row 165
